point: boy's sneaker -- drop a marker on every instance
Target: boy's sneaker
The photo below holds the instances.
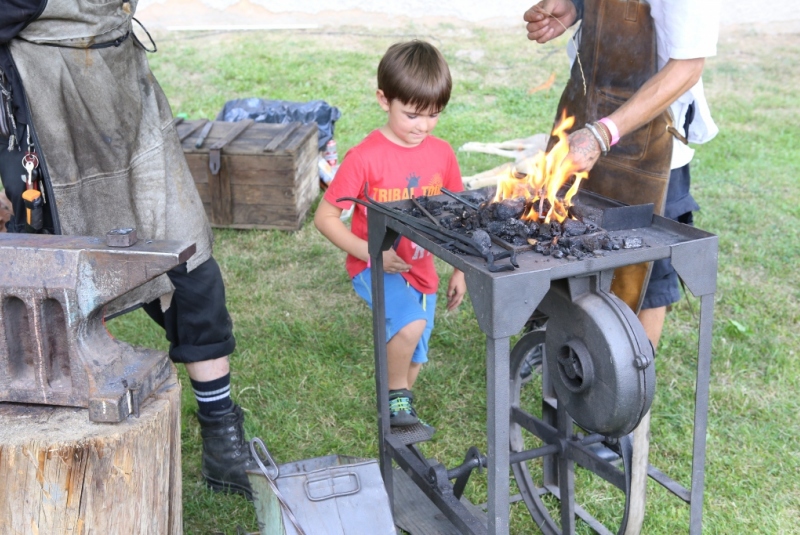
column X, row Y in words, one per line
column 401, row 409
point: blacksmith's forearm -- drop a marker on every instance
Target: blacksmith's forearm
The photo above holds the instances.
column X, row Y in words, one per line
column 656, row 95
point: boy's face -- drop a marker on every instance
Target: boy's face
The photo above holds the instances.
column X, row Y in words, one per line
column 406, row 126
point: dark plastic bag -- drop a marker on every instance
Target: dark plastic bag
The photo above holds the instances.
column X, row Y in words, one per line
column 284, row 111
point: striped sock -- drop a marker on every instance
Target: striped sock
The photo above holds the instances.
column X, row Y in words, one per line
column 213, row 396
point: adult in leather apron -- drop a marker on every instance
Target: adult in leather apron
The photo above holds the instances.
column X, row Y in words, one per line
column 618, row 58
column 617, row 76
column 636, row 170
column 82, row 96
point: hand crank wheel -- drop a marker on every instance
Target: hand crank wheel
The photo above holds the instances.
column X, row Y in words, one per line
column 538, row 478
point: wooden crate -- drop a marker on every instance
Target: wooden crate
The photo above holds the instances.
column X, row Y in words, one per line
column 266, row 175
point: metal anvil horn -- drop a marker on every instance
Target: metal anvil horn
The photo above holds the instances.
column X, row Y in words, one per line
column 54, row 347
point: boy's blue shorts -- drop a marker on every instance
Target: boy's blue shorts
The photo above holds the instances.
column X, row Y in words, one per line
column 403, row 304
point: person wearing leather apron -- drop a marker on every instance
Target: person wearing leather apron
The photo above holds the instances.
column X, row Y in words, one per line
column 637, row 98
column 78, row 92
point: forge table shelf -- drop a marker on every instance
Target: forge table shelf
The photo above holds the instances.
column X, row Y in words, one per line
column 503, row 303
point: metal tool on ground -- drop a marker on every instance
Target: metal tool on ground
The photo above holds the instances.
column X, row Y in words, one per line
column 54, row 345
column 597, row 366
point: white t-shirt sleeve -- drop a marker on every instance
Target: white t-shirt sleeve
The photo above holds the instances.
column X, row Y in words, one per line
column 688, row 28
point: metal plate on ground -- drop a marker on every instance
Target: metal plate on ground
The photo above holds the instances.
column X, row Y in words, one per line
column 414, row 513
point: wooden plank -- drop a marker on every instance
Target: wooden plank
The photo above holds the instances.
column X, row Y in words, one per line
column 415, row 513
column 248, row 169
column 302, row 136
column 251, row 141
column 232, row 133
column 256, row 215
column 252, row 170
column 285, row 210
column 270, row 195
column 188, row 128
column 205, row 195
column 285, row 133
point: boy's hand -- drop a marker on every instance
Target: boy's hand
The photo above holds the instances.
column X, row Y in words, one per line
column 393, row 263
column 456, row 289
column 549, row 18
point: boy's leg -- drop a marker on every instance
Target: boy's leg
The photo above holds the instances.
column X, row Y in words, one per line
column 399, row 352
column 413, row 373
column 406, row 325
column 428, row 303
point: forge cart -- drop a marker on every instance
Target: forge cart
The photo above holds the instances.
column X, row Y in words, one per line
column 597, row 368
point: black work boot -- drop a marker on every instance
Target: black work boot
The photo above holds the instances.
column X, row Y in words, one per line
column 226, row 454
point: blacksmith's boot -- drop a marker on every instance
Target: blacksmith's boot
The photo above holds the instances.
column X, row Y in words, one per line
column 226, row 453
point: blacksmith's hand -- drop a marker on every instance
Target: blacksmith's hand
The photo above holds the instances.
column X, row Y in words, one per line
column 393, row 263
column 549, row 18
column 584, row 149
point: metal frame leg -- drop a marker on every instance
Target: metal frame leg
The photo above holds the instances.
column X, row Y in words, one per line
column 701, row 413
column 497, row 406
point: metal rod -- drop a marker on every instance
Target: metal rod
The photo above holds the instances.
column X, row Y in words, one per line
column 527, row 455
column 419, row 224
column 550, row 449
column 459, row 199
column 426, row 213
column 668, row 483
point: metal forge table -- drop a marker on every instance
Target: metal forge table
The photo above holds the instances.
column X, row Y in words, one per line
column 503, row 303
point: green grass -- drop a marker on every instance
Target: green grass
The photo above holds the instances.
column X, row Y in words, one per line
column 303, row 366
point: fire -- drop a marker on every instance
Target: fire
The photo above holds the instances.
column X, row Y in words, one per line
column 549, row 172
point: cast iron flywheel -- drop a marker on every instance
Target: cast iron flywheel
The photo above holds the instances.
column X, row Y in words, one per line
column 599, row 359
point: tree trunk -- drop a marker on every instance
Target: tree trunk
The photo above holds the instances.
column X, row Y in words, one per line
column 62, row 473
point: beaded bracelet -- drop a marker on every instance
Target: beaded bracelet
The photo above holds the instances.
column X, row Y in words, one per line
column 602, row 131
column 612, row 129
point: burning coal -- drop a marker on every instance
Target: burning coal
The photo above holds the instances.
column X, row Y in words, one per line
column 504, row 223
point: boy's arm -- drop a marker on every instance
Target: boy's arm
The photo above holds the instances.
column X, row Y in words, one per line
column 327, row 221
column 456, row 289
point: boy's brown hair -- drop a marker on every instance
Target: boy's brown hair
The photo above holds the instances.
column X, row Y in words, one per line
column 416, row 74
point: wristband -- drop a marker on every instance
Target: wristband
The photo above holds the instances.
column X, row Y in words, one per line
column 612, row 128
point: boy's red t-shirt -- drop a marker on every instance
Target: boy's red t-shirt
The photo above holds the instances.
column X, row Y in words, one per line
column 394, row 173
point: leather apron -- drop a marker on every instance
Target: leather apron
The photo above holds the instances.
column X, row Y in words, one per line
column 618, row 54
column 106, row 134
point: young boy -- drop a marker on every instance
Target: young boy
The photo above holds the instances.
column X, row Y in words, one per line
column 399, row 160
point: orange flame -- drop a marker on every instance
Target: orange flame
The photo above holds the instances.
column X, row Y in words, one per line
column 549, row 172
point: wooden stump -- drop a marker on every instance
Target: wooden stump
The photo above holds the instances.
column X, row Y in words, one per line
column 62, row 473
